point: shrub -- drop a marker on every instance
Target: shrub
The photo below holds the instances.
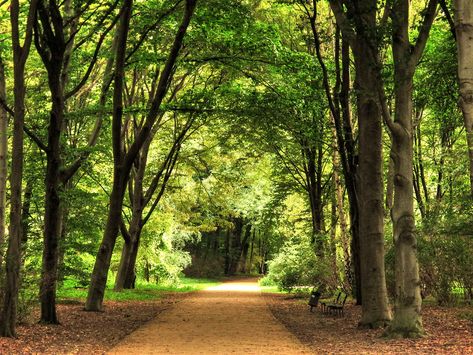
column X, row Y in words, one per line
column 297, row 265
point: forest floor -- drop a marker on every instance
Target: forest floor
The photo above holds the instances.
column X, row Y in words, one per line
column 449, row 330
column 83, row 332
column 231, row 318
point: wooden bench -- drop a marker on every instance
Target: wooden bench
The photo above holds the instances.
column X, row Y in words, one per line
column 337, row 306
column 333, row 300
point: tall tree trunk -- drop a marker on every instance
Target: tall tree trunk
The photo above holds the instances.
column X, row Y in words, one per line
column 375, row 311
column 464, row 34
column 52, row 215
column 408, row 301
column 3, row 159
column 102, row 262
column 13, row 256
column 52, row 51
column 350, row 170
column 407, row 321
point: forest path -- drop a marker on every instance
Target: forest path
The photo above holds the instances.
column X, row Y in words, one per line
column 230, row 318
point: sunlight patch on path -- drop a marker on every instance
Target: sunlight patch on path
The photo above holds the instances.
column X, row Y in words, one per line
column 235, row 287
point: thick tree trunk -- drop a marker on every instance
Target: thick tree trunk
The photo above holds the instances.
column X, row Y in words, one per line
column 375, row 311
column 98, row 280
column 464, row 34
column 126, row 270
column 52, row 214
column 3, row 160
column 104, row 256
column 407, row 319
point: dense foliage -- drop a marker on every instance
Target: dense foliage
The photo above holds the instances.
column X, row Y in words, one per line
column 242, row 172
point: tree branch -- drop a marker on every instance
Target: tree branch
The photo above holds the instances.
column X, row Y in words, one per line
column 449, row 18
column 35, row 139
column 5, row 106
column 93, row 61
column 429, row 17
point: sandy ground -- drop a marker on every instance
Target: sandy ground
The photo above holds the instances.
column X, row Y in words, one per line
column 232, row 318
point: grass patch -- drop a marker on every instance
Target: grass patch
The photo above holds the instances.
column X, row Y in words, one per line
column 143, row 291
column 272, row 289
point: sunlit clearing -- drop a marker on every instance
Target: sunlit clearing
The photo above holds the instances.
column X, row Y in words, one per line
column 235, row 287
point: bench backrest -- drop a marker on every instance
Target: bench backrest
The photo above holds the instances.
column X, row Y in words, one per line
column 338, row 297
column 344, row 296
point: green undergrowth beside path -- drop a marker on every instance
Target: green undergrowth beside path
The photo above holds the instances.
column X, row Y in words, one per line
column 143, row 291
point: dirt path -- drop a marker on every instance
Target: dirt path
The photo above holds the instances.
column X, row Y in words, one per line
column 230, row 318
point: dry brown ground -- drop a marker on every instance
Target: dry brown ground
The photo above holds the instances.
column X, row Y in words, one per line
column 83, row 332
column 447, row 332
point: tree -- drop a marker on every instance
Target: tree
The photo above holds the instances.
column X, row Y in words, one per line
column 13, row 260
column 407, row 320
column 123, row 161
column 3, row 156
column 464, row 35
column 362, row 38
column 338, row 99
column 54, row 40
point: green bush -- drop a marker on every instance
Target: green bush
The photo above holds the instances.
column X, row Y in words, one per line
column 297, row 265
column 445, row 250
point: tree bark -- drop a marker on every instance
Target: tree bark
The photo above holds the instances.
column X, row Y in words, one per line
column 464, row 34
column 375, row 311
column 126, row 269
